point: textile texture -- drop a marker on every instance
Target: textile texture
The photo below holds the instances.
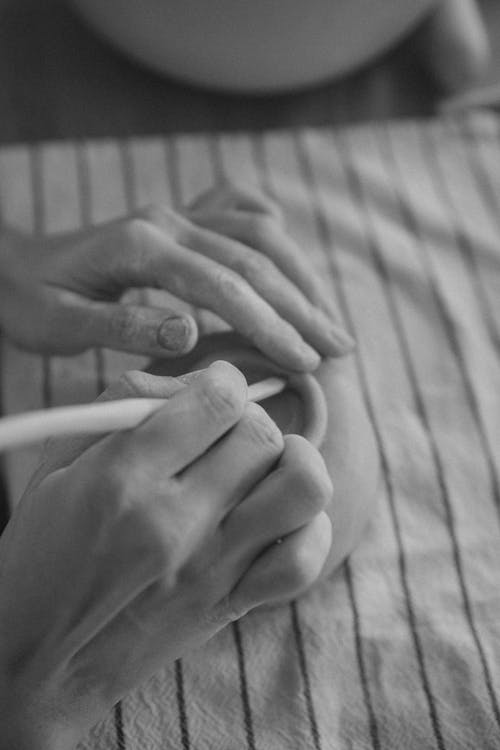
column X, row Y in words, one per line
column 401, row 649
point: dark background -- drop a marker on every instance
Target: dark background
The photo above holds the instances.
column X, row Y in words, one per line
column 57, row 80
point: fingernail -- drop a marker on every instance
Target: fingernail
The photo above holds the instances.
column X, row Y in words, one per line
column 341, row 341
column 175, row 334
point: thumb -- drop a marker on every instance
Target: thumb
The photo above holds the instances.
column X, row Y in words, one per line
column 151, row 331
column 454, row 44
column 60, row 452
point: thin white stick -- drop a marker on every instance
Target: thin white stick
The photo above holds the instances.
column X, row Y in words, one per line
column 103, row 416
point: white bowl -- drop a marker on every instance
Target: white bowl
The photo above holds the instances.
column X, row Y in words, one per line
column 253, row 45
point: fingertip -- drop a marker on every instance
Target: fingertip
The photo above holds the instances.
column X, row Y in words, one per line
column 306, row 359
column 341, row 342
column 226, row 371
column 288, row 568
column 177, row 335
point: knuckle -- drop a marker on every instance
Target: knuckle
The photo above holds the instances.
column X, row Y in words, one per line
column 311, row 482
column 228, row 283
column 153, row 213
column 261, row 429
column 254, row 266
column 221, row 397
column 125, row 326
column 133, row 232
column 134, row 517
column 160, row 543
column 131, row 383
column 134, row 238
column 164, row 218
column 156, row 545
column 241, row 195
column 261, row 228
column 303, row 567
column 112, row 497
column 225, row 611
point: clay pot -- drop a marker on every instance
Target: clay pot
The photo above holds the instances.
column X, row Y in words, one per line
column 344, row 432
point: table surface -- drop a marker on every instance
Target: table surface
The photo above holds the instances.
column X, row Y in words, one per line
column 58, row 81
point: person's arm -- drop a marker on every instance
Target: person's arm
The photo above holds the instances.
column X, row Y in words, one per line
column 229, row 253
column 453, row 43
column 126, row 552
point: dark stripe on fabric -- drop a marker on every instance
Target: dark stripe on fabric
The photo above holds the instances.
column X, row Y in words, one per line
column 83, row 177
column 245, row 701
column 491, row 201
column 129, row 193
column 181, row 703
column 127, row 175
column 172, row 171
column 217, row 162
column 39, row 228
column 460, row 239
column 382, row 271
column 173, row 181
column 480, row 174
column 262, row 169
column 4, row 500
column 327, row 241
column 372, row 719
column 306, row 685
column 120, row 735
column 260, row 160
column 412, row 227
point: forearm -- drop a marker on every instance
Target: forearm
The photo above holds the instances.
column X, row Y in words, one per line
column 25, row 729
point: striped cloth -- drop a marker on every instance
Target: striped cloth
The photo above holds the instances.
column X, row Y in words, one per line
column 402, row 648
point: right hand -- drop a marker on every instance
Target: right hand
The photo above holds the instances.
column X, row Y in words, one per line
column 129, row 550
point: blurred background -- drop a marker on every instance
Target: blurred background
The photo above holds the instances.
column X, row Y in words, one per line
column 59, row 80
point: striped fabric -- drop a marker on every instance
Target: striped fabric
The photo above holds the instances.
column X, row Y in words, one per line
column 402, row 648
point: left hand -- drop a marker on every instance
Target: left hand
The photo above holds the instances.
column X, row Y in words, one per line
column 229, row 252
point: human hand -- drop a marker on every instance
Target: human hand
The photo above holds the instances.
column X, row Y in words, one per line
column 454, row 43
column 127, row 551
column 349, row 446
column 229, row 253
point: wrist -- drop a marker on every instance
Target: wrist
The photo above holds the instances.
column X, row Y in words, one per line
column 26, row 725
column 30, row 733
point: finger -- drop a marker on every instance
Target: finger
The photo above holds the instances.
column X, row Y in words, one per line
column 153, row 332
column 141, row 253
column 288, row 498
column 191, row 421
column 270, row 238
column 247, row 454
column 275, row 286
column 229, row 196
column 284, row 570
column 60, row 452
column 155, row 260
column 454, row 43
